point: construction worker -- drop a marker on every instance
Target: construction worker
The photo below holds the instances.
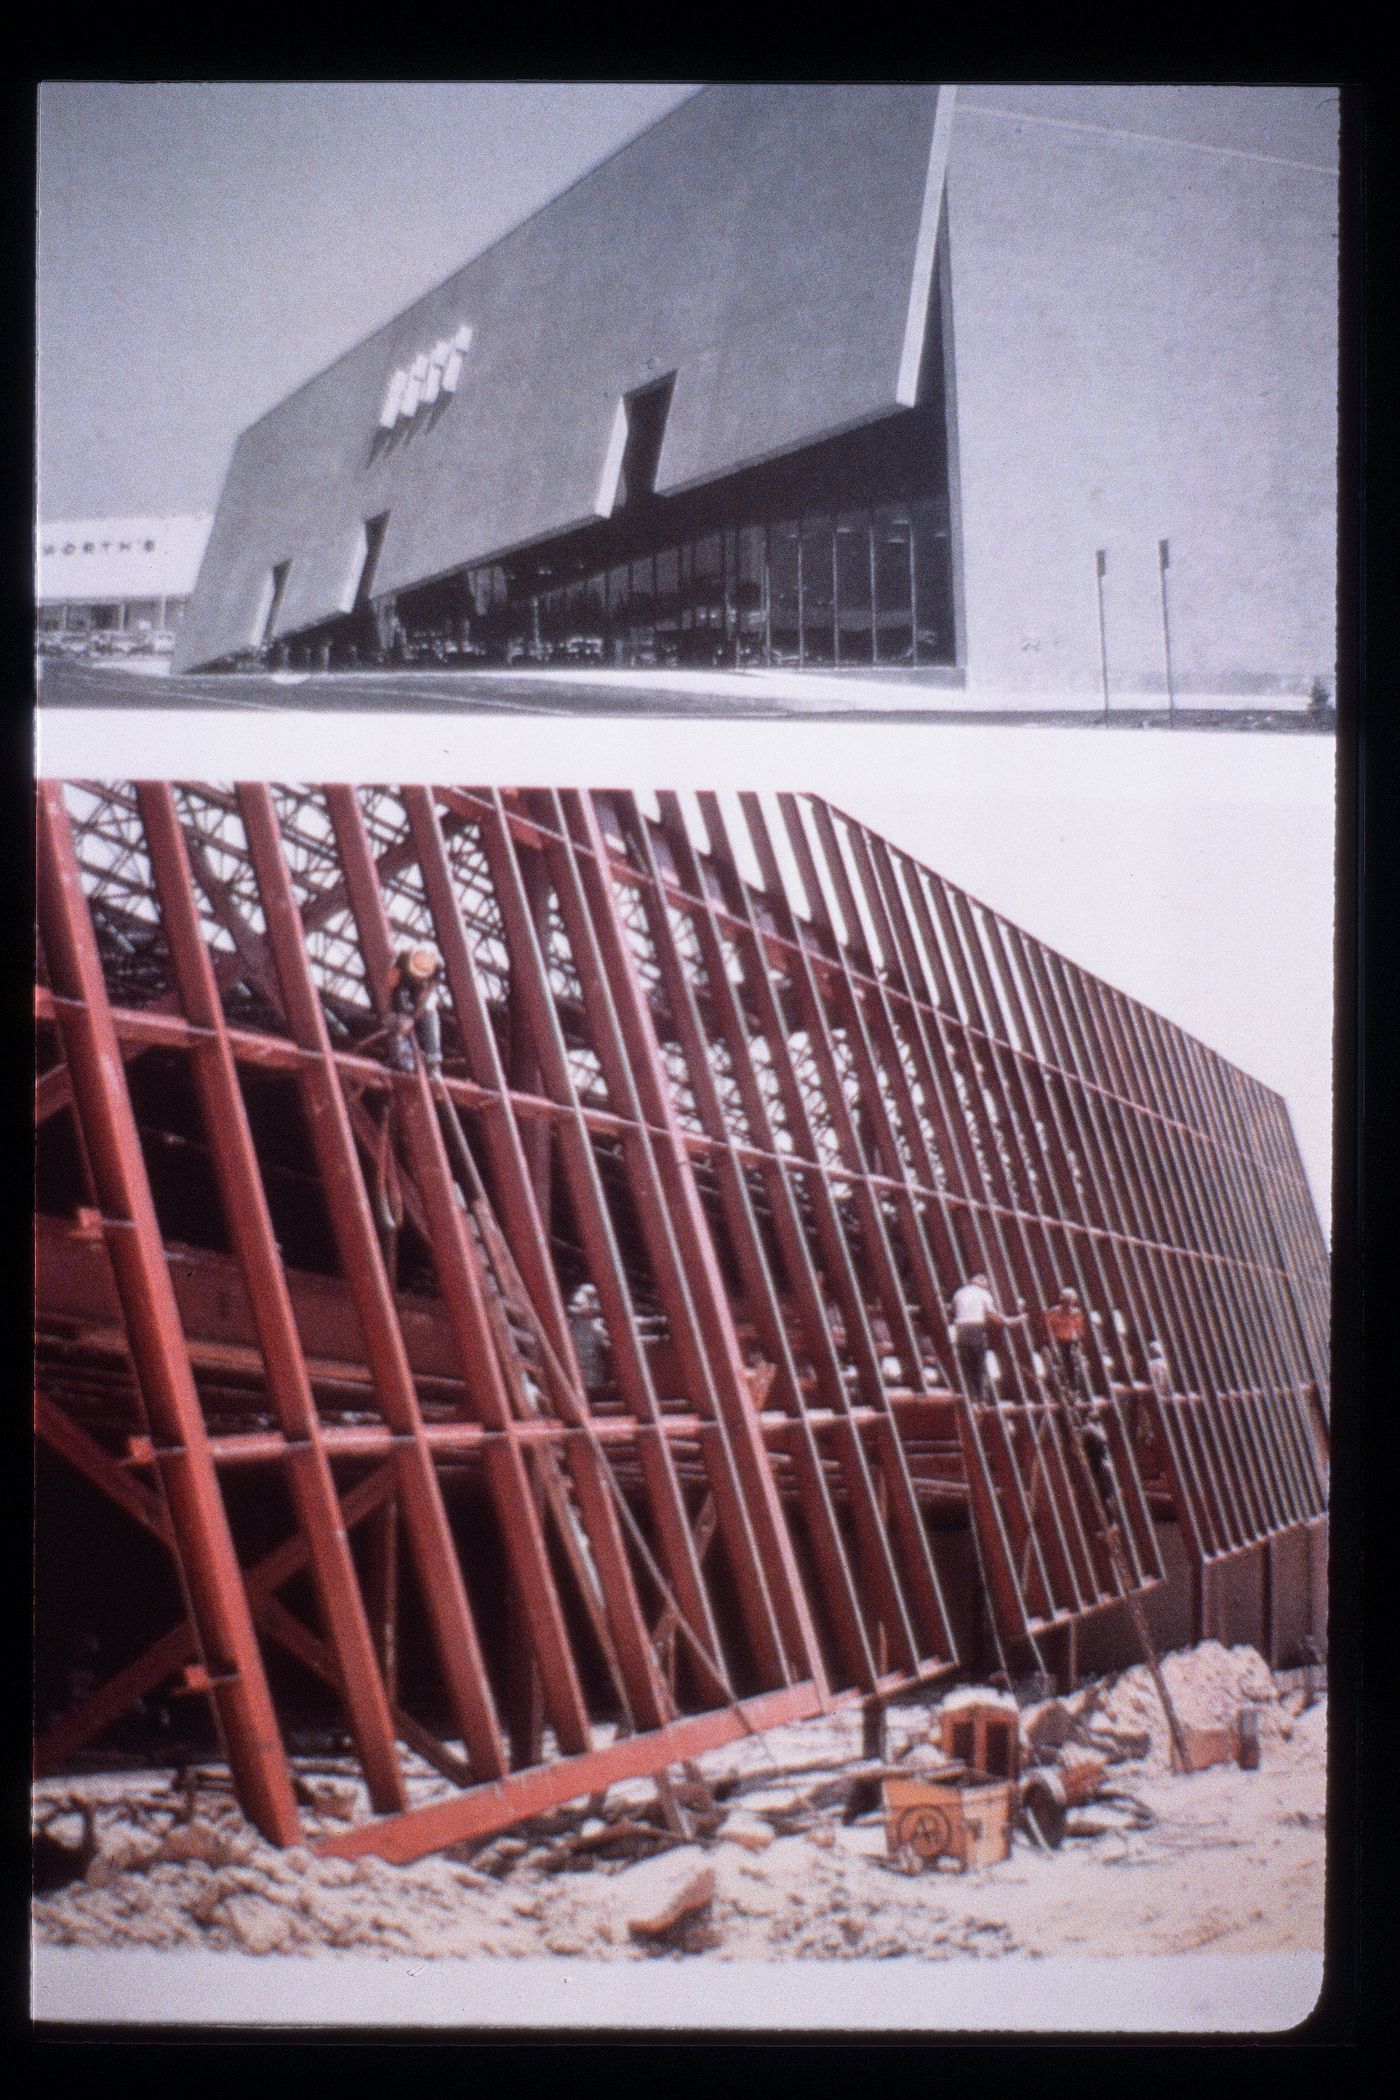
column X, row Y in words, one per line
column 975, row 1317
column 1068, row 1327
column 1159, row 1377
column 1159, row 1374
column 415, row 985
column 1093, row 1440
column 590, row 1337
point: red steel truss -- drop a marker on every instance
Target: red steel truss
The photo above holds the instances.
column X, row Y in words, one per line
column 774, row 1090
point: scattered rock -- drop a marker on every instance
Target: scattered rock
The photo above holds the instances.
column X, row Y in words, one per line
column 259, row 1926
column 201, row 1841
column 175, row 1874
column 1120, row 1746
column 1082, row 1774
column 750, row 1831
column 1208, row 1684
column 500, row 1857
column 657, row 1894
column 335, row 1873
column 1048, row 1728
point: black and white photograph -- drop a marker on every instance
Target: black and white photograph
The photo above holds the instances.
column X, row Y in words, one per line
column 686, row 820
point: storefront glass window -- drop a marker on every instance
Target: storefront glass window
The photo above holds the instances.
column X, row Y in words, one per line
column 894, row 584
column 784, row 592
column 818, row 627
column 853, row 587
column 933, row 586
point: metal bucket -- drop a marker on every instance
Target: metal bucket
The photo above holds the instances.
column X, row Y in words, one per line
column 1044, row 1806
column 1247, row 1739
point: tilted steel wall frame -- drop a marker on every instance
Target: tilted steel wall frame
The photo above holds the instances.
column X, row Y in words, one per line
column 774, row 1089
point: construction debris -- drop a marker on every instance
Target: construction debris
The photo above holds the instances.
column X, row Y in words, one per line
column 1081, row 1774
column 982, row 1730
column 1205, row 1747
column 1043, row 1809
column 1218, row 1857
column 56, row 1860
column 661, row 1895
column 750, row 1831
column 1209, row 1684
column 1046, row 1729
column 960, row 1818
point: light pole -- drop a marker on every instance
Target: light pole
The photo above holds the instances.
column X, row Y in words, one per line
column 1101, row 568
column 1164, row 562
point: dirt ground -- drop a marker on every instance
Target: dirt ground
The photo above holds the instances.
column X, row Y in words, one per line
column 1161, row 1863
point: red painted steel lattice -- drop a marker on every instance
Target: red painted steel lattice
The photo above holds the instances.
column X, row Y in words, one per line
column 774, row 1090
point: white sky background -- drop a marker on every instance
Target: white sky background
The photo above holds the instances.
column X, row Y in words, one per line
column 1192, row 869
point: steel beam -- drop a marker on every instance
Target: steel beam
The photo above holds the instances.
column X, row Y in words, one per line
column 775, row 1089
column 207, row 1561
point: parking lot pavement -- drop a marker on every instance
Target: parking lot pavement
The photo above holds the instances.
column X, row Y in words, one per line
column 696, row 695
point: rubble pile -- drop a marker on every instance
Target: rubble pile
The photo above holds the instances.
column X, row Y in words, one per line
column 1209, row 1686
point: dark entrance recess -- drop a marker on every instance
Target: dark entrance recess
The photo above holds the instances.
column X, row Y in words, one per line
column 280, row 573
column 646, row 427
column 375, row 529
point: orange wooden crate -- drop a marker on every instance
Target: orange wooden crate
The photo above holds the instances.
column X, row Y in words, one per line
column 967, row 1820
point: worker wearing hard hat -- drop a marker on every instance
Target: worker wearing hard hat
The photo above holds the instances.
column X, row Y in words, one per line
column 1067, row 1328
column 415, row 984
column 975, row 1319
column 589, row 1335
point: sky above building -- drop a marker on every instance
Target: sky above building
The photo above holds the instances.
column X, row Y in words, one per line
column 206, row 247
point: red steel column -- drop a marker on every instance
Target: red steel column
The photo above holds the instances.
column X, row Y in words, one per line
column 425, row 1517
column 530, row 987
column 678, row 1246
column 250, row 1227
column 206, row 1557
column 526, row 1230
column 846, row 1608
column 896, row 1583
column 920, row 1613
column 462, row 1286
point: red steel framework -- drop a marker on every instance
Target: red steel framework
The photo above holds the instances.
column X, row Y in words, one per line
column 771, row 1087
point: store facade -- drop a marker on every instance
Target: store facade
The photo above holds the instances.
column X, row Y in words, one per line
column 867, row 377
column 840, row 556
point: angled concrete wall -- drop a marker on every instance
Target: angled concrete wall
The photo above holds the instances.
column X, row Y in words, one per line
column 1140, row 295
column 761, row 243
column 1144, row 296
